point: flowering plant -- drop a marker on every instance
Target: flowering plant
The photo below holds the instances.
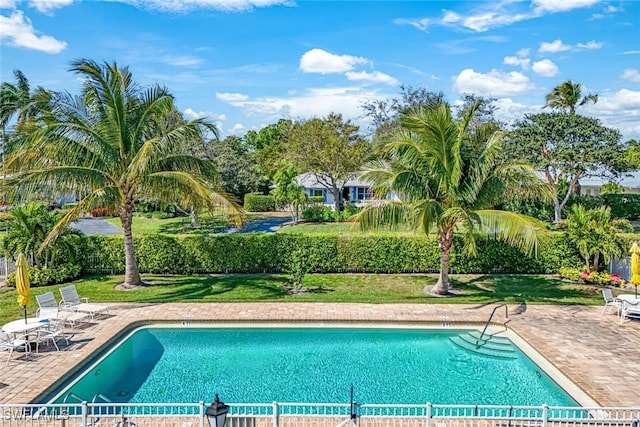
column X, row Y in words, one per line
column 615, row 279
column 584, row 275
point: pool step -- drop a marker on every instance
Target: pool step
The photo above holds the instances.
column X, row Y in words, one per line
column 490, row 345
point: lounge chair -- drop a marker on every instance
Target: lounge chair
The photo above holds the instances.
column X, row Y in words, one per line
column 629, row 309
column 9, row 344
column 48, row 309
column 610, row 301
column 71, row 300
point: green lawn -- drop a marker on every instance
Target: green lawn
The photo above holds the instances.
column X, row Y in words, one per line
column 333, row 228
column 365, row 288
column 180, row 225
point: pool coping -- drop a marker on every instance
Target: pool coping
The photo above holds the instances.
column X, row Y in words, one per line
column 571, row 339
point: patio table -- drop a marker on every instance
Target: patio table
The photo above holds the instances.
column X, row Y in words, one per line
column 632, row 301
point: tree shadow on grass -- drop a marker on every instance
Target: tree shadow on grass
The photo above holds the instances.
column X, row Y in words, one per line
column 525, row 289
column 244, row 287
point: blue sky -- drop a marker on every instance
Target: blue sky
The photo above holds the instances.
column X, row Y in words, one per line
column 247, row 63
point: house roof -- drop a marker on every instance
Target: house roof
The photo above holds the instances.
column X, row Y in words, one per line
column 309, row 180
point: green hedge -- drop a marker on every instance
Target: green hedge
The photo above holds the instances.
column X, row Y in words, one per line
column 250, row 253
column 259, row 203
column 40, row 276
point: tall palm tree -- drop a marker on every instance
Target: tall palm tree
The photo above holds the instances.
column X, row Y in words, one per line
column 567, row 96
column 448, row 179
column 112, row 146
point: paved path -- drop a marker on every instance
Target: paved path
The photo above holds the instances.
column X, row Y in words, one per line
column 95, row 226
column 599, row 355
column 269, row 225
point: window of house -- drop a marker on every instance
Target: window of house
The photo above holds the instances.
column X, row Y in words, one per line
column 316, row 192
column 362, row 193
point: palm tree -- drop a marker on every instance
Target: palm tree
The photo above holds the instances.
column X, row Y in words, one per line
column 595, row 233
column 449, row 179
column 567, row 96
column 112, row 147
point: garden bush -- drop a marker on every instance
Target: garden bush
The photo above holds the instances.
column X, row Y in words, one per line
column 259, row 203
column 41, row 276
column 251, row 253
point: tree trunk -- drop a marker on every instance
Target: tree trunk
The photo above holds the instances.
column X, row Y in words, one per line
column 586, row 262
column 337, row 195
column 193, row 218
column 131, row 273
column 596, row 260
column 445, row 243
column 557, row 211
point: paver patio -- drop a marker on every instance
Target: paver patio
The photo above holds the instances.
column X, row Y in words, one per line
column 594, row 351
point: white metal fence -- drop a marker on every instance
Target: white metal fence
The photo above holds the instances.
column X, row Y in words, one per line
column 86, row 414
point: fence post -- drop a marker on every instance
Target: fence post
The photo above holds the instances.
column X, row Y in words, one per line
column 428, row 414
column 545, row 415
column 84, row 413
column 201, row 408
column 276, row 414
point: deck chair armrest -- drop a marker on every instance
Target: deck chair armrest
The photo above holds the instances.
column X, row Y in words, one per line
column 86, row 299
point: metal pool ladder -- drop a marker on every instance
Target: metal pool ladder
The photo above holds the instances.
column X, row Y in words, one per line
column 487, row 344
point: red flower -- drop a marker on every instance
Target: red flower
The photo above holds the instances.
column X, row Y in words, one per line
column 584, row 275
column 614, row 278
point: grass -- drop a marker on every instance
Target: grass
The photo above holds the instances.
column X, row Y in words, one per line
column 336, row 288
column 180, row 225
column 333, row 228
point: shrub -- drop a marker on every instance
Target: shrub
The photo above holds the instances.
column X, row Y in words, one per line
column 250, row 253
column 315, row 200
column 40, row 276
column 259, row 203
column 570, row 273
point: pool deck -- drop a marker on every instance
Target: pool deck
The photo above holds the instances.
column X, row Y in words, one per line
column 594, row 351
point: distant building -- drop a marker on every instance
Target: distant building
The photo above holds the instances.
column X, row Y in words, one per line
column 355, row 190
column 593, row 186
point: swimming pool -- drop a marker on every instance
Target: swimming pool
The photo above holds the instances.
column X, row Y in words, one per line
column 262, row 365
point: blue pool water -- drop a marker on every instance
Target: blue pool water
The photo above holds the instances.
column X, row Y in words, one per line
column 257, row 365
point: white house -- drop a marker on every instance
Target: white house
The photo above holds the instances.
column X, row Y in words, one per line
column 355, row 190
column 630, row 183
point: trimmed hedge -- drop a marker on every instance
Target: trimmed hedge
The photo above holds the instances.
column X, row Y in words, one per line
column 251, row 253
column 259, row 203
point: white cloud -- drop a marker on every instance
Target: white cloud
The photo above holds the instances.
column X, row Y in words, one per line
column 191, row 114
column 486, row 21
column 231, row 97
column 494, row 83
column 545, row 68
column 509, row 111
column 631, row 74
column 619, row 110
column 487, row 15
column 16, row 30
column 518, row 62
column 45, row 6
column 553, row 47
column 238, row 129
column 181, row 60
column 8, row 4
column 375, row 76
column 592, row 45
column 313, row 102
column 223, row 5
column 321, row 61
column 562, row 5
column 558, row 46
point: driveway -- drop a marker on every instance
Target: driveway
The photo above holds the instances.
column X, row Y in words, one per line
column 95, row 226
column 269, row 225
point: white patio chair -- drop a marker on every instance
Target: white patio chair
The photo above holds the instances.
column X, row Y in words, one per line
column 48, row 309
column 9, row 344
column 610, row 301
column 71, row 300
column 629, row 309
column 52, row 332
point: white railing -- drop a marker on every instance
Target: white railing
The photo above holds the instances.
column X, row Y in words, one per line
column 312, row 415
